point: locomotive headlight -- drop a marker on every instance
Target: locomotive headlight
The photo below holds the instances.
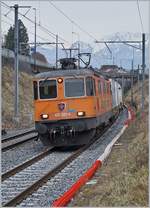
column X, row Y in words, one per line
column 80, row 113
column 44, row 116
column 59, row 80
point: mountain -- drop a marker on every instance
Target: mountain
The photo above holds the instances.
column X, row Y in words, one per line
column 122, row 55
column 50, row 54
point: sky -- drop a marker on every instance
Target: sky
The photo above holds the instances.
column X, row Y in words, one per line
column 98, row 18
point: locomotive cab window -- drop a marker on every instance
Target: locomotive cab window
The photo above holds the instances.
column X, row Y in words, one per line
column 90, row 86
column 74, row 87
column 48, row 89
column 35, row 90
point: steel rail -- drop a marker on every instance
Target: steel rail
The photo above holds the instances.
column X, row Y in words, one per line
column 26, row 164
column 16, row 200
column 33, row 187
column 17, row 141
column 21, row 133
column 24, row 194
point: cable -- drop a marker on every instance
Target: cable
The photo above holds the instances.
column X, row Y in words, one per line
column 6, row 16
column 28, row 31
column 72, row 21
column 53, row 35
column 138, row 6
column 39, row 13
column 49, row 32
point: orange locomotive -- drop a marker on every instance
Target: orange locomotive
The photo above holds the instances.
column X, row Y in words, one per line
column 70, row 105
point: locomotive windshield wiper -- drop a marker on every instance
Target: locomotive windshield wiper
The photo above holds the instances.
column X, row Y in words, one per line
column 42, row 82
column 76, row 77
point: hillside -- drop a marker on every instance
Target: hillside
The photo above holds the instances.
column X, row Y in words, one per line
column 123, row 179
column 25, row 100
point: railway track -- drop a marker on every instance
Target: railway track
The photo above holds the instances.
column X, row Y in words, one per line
column 16, row 139
column 16, row 134
column 26, row 164
column 24, row 180
column 30, row 189
column 20, row 196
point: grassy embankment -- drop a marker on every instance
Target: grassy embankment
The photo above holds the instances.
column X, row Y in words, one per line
column 25, row 100
column 123, row 180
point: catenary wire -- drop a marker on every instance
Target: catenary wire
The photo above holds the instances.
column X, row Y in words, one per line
column 53, row 35
column 140, row 16
column 72, row 21
column 44, row 39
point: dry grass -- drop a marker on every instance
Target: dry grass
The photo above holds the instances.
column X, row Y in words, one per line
column 137, row 95
column 25, row 100
column 123, row 180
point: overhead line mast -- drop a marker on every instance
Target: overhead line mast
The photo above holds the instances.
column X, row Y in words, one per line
column 16, row 61
column 53, row 35
column 28, row 31
column 35, row 42
column 143, row 61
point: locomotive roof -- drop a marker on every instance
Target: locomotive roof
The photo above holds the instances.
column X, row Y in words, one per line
column 72, row 72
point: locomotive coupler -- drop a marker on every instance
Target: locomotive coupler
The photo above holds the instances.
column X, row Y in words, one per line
column 53, row 133
column 70, row 132
column 63, row 130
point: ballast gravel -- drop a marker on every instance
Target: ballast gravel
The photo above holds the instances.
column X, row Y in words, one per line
column 12, row 186
column 59, row 184
column 19, row 154
column 11, row 133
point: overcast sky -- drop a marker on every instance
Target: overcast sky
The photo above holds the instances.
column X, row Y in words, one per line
column 97, row 18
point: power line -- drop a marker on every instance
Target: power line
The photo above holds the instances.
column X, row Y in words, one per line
column 39, row 13
column 72, row 21
column 32, row 33
column 30, row 20
column 53, row 35
column 6, row 16
column 138, row 6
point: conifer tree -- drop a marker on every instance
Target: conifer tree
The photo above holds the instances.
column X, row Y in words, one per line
column 23, row 39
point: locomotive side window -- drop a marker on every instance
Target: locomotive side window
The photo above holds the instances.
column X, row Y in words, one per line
column 99, row 87
column 108, row 88
column 90, row 86
column 48, row 89
column 35, row 90
column 74, row 87
column 105, row 87
column 94, row 87
column 102, row 87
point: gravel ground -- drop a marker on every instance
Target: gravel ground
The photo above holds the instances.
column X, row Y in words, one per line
column 56, row 186
column 19, row 154
column 11, row 133
column 17, row 183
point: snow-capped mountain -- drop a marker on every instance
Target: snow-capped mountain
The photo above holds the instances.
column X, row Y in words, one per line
column 121, row 54
column 50, row 53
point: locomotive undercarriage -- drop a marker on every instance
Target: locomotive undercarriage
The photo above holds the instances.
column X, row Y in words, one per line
column 70, row 132
column 64, row 133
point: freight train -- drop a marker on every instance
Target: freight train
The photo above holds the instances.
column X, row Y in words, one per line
column 70, row 104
